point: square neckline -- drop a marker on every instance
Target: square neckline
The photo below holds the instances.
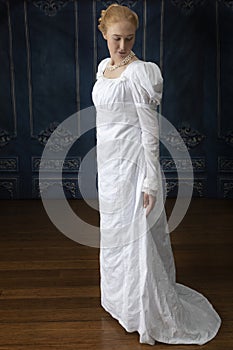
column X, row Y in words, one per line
column 120, row 76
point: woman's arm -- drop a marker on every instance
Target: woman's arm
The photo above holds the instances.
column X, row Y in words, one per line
column 147, row 86
column 150, row 141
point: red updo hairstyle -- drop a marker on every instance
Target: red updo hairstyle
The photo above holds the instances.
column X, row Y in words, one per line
column 116, row 13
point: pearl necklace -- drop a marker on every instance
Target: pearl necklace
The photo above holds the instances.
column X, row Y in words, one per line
column 122, row 63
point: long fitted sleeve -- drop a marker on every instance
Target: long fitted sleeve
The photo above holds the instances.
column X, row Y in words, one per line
column 147, row 85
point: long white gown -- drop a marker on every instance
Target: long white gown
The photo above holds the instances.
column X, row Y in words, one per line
column 137, row 271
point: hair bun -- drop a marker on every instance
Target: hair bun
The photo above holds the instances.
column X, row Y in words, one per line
column 114, row 13
column 113, row 5
column 103, row 13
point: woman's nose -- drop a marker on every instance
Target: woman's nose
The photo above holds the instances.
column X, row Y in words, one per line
column 122, row 45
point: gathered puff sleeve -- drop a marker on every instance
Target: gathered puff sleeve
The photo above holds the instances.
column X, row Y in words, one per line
column 100, row 68
column 147, row 86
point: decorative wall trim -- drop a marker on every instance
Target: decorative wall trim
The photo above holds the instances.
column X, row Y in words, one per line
column 228, row 138
column 77, row 69
column 29, row 76
column 9, row 164
column 129, row 3
column 161, row 45
column 228, row 3
column 225, row 186
column 71, row 164
column 62, row 139
column 187, row 6
column 12, row 71
column 218, row 71
column 94, row 39
column 168, row 164
column 9, row 186
column 70, row 186
column 191, row 137
column 228, row 189
column 199, row 185
column 225, row 164
column 5, row 135
column 50, row 7
column 5, row 138
column 171, row 184
column 144, row 29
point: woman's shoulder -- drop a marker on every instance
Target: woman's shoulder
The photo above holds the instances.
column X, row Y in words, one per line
column 101, row 67
column 142, row 70
column 143, row 63
column 146, row 81
column 103, row 62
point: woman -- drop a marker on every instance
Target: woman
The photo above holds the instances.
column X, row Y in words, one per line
column 137, row 269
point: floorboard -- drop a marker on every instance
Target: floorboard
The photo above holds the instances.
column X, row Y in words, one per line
column 49, row 284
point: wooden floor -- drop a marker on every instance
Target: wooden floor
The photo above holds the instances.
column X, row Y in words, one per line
column 49, row 284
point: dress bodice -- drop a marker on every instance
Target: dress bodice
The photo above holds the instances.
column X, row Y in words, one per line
column 140, row 83
column 126, row 111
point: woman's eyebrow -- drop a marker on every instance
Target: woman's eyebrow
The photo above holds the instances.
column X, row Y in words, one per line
column 121, row 35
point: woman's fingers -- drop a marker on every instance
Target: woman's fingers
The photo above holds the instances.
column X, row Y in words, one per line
column 148, row 202
column 145, row 200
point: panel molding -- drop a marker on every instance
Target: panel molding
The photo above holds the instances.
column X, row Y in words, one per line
column 5, row 138
column 71, row 164
column 129, row 3
column 10, row 186
column 225, row 164
column 70, row 186
column 50, row 7
column 199, row 185
column 5, row 135
column 228, row 137
column 225, row 187
column 144, row 30
column 227, row 3
column 191, row 137
column 9, row 164
column 168, row 164
column 77, row 69
column 29, row 69
column 187, row 6
column 62, row 137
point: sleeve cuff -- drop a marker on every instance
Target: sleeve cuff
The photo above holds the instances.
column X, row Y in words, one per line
column 150, row 186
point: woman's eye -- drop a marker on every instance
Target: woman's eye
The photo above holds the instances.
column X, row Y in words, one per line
column 128, row 39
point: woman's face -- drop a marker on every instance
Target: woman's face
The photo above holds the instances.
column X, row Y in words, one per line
column 120, row 38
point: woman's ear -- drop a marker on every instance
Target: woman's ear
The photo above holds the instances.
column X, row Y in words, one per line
column 104, row 36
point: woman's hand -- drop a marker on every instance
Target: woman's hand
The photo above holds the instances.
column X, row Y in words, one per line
column 148, row 202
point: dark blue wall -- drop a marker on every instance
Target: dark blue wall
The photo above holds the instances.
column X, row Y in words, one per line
column 49, row 51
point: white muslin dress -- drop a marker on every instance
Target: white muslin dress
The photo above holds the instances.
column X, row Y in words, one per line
column 137, row 272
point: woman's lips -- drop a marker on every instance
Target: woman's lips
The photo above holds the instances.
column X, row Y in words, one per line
column 122, row 54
